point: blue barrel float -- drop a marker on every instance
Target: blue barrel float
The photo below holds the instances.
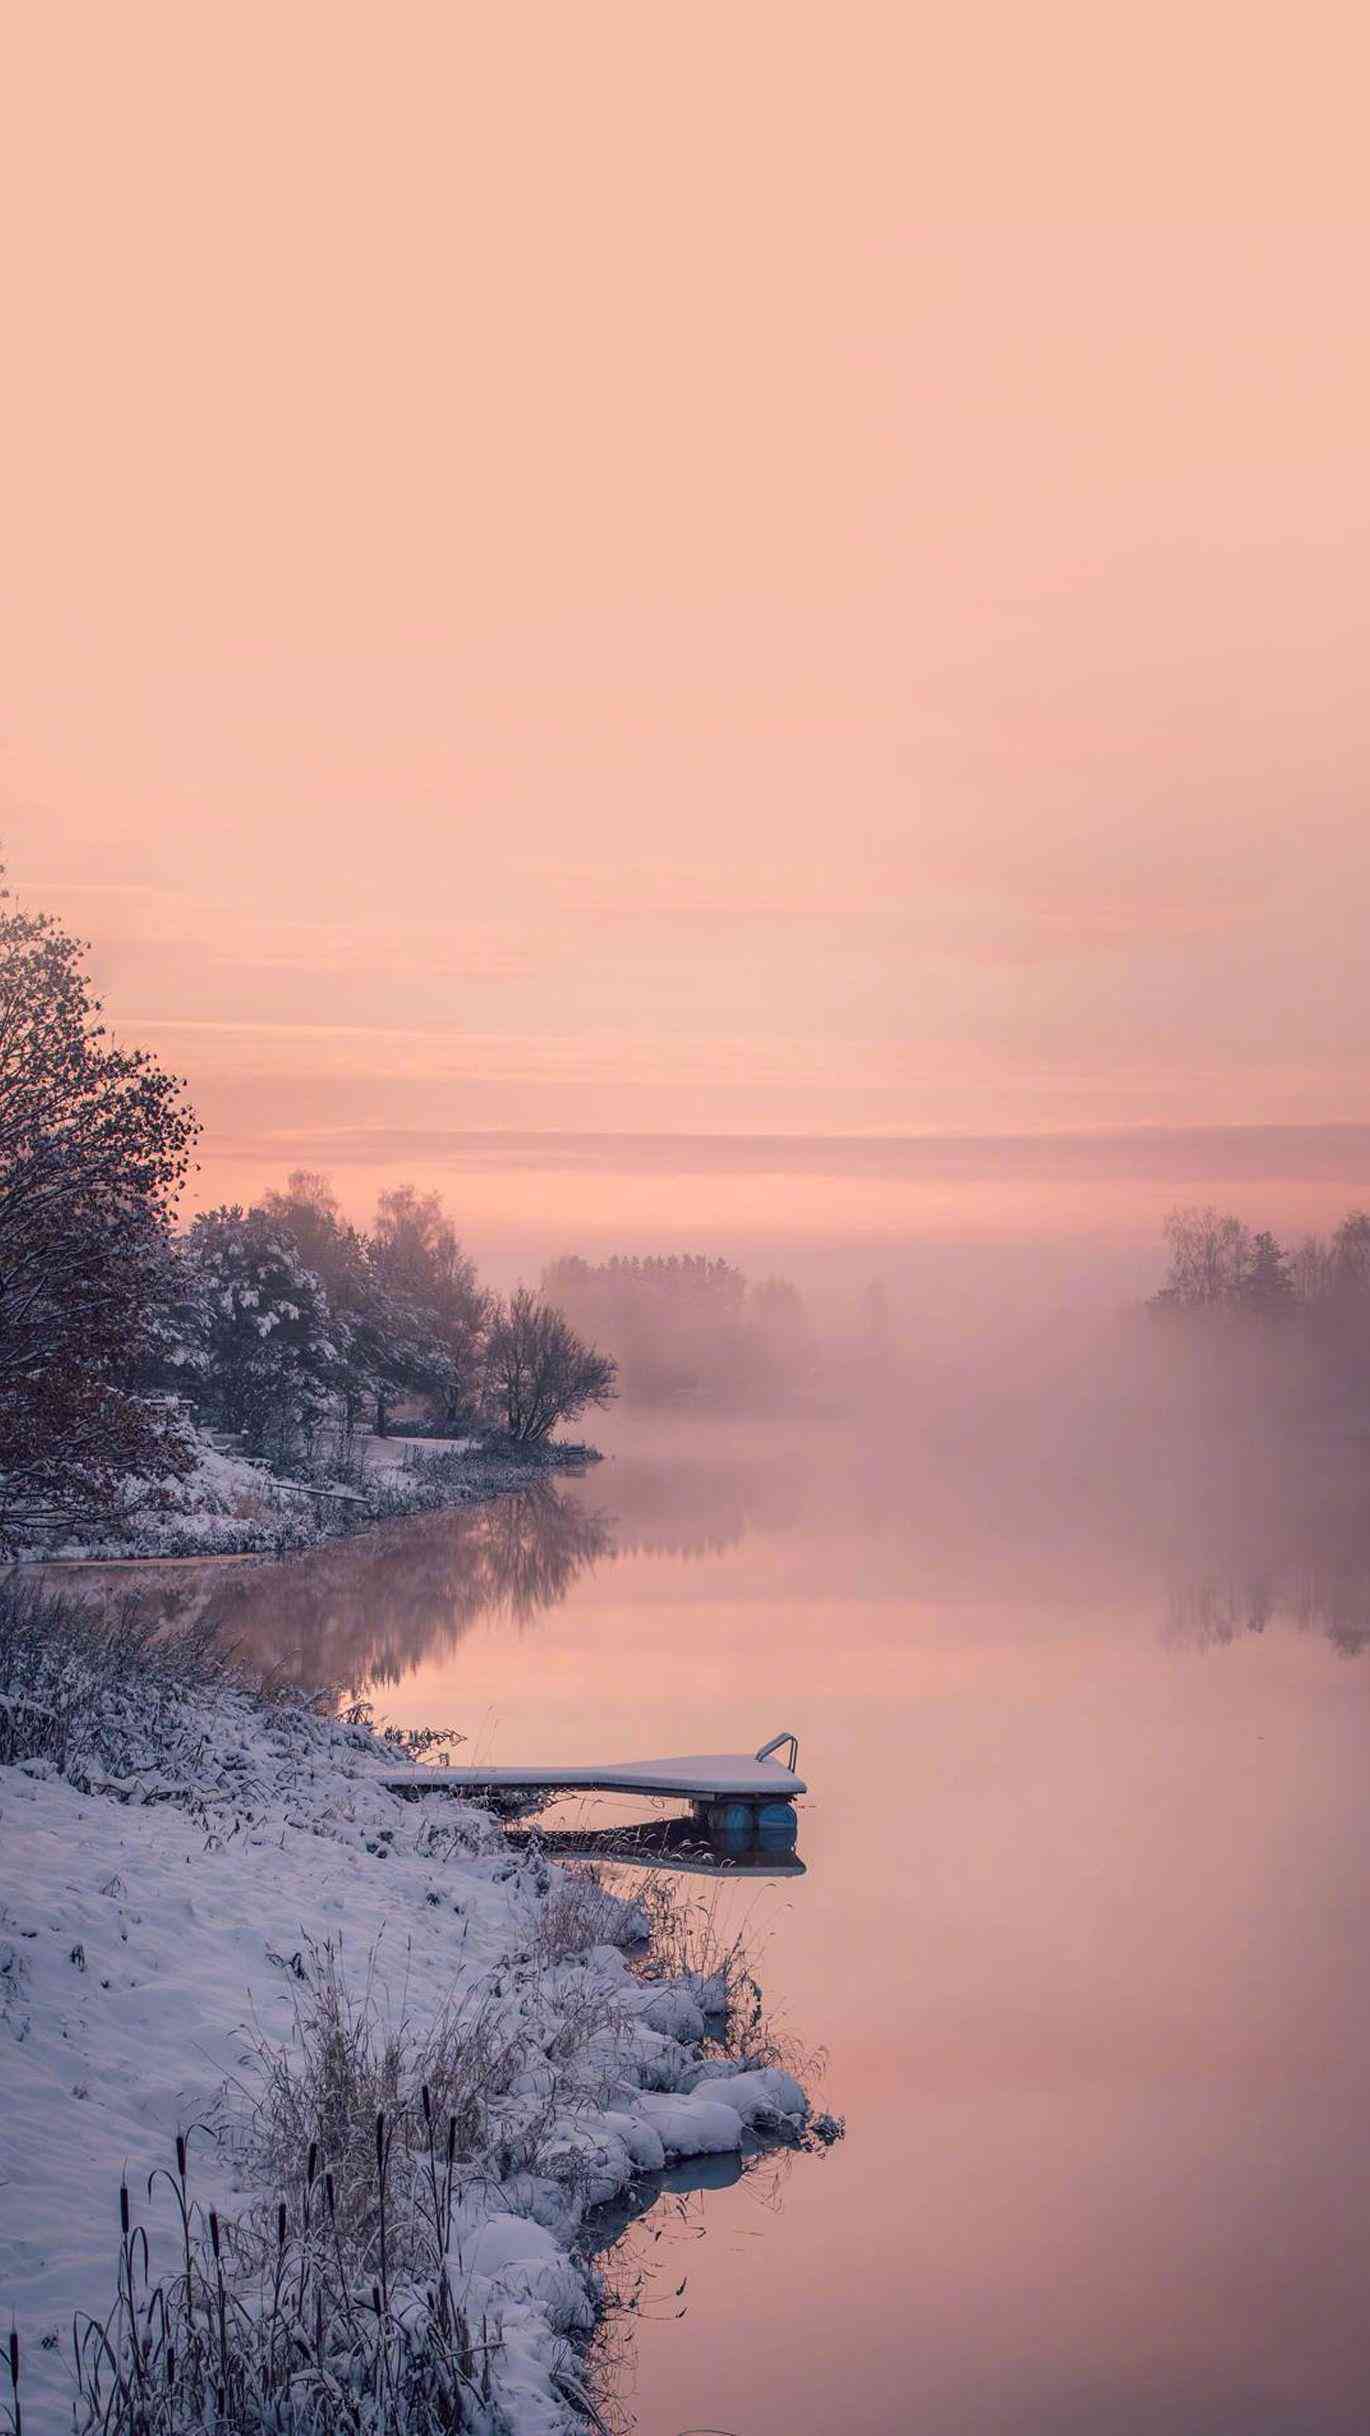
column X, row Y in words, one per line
column 777, row 1826
column 737, row 1826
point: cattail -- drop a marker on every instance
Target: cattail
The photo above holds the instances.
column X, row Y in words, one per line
column 312, row 2166
column 171, row 2364
column 214, row 2230
column 427, row 2106
column 280, row 2226
column 123, row 2209
column 380, row 2143
column 181, row 2155
column 451, row 2138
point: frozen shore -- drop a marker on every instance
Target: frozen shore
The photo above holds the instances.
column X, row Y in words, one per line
column 232, row 1505
column 191, row 1876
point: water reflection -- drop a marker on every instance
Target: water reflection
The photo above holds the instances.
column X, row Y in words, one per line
column 679, row 1844
column 371, row 1609
column 641, row 2244
column 1219, row 1551
column 1083, row 1929
column 696, row 1494
column 1209, row 1610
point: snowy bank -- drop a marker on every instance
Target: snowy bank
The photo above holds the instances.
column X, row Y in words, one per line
column 231, row 1504
column 200, row 1885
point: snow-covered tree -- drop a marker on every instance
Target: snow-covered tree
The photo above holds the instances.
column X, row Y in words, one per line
column 370, row 1329
column 274, row 1355
column 94, row 1144
column 437, row 1296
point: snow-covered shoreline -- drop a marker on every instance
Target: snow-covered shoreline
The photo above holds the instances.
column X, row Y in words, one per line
column 161, row 1927
column 231, row 1505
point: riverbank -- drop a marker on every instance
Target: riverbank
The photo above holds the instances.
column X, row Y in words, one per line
column 231, row 1504
column 220, row 1926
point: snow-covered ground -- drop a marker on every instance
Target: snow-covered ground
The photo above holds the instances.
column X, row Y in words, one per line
column 230, row 1505
column 162, row 1925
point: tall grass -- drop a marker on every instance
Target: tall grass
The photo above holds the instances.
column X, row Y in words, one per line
column 99, row 1688
column 499, row 2064
column 580, row 1911
column 306, row 2343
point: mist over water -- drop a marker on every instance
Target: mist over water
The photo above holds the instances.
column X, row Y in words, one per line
column 1074, row 1630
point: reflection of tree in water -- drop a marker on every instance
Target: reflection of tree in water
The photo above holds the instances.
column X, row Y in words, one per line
column 1212, row 1610
column 699, row 1506
column 534, row 1547
column 1293, row 1552
column 375, row 1606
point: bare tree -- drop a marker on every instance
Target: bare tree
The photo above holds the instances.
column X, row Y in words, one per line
column 1350, row 1257
column 307, row 1211
column 538, row 1371
column 1210, row 1255
column 1311, row 1269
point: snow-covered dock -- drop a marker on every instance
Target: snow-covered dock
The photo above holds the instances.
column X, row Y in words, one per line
column 719, row 1776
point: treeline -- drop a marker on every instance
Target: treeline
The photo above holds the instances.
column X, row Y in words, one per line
column 1227, row 1279
column 116, row 1330
column 688, row 1330
column 282, row 1320
column 1218, row 1263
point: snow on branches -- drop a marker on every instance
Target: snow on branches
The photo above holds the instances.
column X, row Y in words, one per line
column 95, row 1141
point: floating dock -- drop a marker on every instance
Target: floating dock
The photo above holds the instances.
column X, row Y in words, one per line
column 704, row 1780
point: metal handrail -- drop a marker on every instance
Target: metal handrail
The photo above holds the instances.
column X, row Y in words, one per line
column 792, row 1763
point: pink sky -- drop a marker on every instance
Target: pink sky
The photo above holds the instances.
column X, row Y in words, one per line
column 798, row 572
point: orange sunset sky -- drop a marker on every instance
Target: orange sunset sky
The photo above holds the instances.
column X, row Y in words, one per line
column 705, row 625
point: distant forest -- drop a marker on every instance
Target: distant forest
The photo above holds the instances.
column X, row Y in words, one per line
column 688, row 1330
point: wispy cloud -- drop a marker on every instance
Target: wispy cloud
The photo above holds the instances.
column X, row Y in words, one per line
column 1240, row 1153
column 174, row 933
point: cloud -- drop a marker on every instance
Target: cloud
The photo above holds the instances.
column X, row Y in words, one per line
column 144, row 917
column 1242, row 1153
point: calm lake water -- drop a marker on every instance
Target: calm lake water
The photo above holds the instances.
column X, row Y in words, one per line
column 1083, row 1930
